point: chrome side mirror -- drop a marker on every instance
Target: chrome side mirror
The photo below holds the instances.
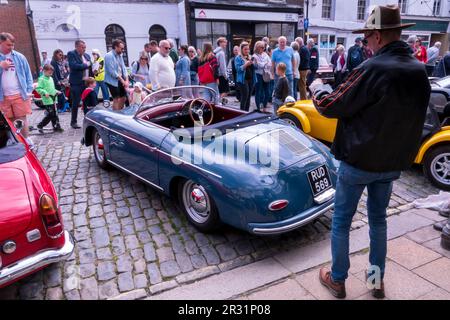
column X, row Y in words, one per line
column 18, row 124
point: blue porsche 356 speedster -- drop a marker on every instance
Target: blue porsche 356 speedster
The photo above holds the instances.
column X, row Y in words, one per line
column 223, row 165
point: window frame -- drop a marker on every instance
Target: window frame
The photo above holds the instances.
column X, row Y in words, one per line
column 329, row 5
column 113, row 36
column 361, row 10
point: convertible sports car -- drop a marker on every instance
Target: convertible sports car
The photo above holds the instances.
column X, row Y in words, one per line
column 434, row 153
column 249, row 170
column 31, row 228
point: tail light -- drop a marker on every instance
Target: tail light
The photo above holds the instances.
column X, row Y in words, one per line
column 278, row 205
column 50, row 216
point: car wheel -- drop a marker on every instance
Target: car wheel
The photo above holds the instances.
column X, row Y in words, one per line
column 291, row 120
column 436, row 167
column 198, row 206
column 99, row 151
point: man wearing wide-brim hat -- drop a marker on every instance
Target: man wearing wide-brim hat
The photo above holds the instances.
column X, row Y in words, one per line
column 381, row 111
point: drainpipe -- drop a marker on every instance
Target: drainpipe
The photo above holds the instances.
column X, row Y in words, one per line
column 29, row 14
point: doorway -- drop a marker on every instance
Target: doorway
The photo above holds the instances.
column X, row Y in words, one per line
column 242, row 31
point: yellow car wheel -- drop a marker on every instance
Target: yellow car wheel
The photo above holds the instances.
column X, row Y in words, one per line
column 436, row 166
column 291, row 120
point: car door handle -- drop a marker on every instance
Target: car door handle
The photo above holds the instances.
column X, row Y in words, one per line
column 152, row 148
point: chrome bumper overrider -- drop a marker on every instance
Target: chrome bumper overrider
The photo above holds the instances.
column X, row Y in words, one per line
column 286, row 228
column 36, row 261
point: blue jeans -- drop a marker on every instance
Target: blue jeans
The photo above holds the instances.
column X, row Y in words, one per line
column 350, row 186
column 262, row 93
column 194, row 78
column 105, row 93
column 208, row 94
column 295, row 88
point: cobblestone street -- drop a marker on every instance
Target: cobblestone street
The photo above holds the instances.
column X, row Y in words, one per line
column 130, row 238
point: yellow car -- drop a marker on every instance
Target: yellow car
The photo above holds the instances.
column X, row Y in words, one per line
column 434, row 153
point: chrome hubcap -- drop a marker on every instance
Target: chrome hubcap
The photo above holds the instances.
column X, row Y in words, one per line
column 290, row 122
column 440, row 168
column 99, row 148
column 196, row 202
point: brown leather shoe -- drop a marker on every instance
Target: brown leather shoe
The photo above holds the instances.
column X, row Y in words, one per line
column 377, row 293
column 335, row 288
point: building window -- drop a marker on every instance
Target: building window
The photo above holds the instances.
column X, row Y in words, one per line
column 327, row 45
column 113, row 32
column 327, row 9
column 437, row 7
column 362, row 6
column 157, row 33
column 207, row 31
column 273, row 31
column 403, row 5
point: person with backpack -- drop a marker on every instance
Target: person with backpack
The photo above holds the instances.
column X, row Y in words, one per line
column 140, row 70
column 208, row 71
column 355, row 55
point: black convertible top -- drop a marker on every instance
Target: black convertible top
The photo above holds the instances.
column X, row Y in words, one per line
column 12, row 153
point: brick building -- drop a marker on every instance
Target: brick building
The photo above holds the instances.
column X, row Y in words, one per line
column 14, row 19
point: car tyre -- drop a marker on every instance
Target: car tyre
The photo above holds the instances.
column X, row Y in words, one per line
column 99, row 151
column 198, row 206
column 291, row 120
column 435, row 165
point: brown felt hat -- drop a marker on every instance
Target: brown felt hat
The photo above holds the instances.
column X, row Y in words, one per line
column 384, row 18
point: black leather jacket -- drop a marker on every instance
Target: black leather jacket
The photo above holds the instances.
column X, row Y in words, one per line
column 380, row 110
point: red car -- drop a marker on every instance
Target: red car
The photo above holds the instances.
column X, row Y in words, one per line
column 32, row 233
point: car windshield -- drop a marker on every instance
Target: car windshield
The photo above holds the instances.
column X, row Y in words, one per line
column 443, row 83
column 177, row 94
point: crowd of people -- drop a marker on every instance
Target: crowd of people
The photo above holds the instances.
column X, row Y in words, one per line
column 269, row 73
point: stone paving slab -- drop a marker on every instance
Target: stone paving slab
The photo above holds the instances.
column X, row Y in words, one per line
column 410, row 254
column 286, row 290
column 228, row 284
column 424, row 234
column 437, row 272
column 402, row 284
column 310, row 281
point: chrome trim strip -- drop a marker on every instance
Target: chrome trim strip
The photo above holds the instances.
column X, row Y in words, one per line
column 36, row 261
column 119, row 133
column 190, row 164
column 135, row 175
column 325, row 197
column 167, row 154
column 292, row 226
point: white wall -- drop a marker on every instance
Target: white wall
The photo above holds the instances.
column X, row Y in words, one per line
column 91, row 19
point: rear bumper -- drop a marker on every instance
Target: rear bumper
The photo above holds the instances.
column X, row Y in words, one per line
column 32, row 263
column 292, row 223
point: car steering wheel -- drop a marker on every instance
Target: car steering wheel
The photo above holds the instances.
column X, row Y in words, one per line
column 199, row 106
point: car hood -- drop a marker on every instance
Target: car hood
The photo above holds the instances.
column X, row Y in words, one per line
column 273, row 145
column 15, row 212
